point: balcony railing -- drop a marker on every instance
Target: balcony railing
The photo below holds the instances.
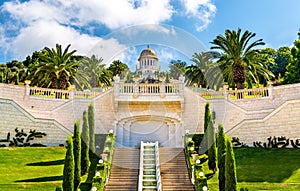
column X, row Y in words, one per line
column 237, row 94
column 60, row 94
column 148, row 91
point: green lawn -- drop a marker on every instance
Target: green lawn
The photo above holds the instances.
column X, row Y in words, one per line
column 31, row 168
column 40, row 169
column 265, row 169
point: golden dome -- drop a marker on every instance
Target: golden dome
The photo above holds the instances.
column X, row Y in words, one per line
column 148, row 52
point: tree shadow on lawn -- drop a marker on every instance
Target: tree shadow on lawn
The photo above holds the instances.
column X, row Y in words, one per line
column 42, row 179
column 266, row 165
column 48, row 163
column 209, row 175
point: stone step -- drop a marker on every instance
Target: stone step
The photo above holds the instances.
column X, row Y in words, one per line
column 174, row 171
column 124, row 170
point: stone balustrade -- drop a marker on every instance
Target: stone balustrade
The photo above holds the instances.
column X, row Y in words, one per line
column 49, row 93
column 238, row 94
column 152, row 91
column 60, row 94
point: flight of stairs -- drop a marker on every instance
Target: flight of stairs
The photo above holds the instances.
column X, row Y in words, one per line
column 174, row 170
column 124, row 170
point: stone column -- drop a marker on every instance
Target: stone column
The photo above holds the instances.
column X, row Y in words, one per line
column 181, row 86
column 119, row 133
column 162, row 90
column 27, row 89
column 172, row 141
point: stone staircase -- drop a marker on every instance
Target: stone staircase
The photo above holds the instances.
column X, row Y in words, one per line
column 124, row 170
column 193, row 115
column 174, row 170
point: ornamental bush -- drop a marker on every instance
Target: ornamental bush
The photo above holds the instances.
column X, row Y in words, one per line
column 91, row 118
column 85, row 140
column 77, row 154
column 230, row 167
column 221, row 156
column 68, row 173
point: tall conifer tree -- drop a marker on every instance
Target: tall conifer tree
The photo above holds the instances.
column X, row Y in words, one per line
column 77, row 154
column 92, row 129
column 230, row 167
column 221, row 157
column 211, row 142
column 68, row 173
column 85, row 141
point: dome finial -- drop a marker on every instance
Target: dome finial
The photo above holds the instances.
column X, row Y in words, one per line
column 148, row 46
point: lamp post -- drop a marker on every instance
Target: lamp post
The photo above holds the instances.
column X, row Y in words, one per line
column 204, row 188
column 201, row 174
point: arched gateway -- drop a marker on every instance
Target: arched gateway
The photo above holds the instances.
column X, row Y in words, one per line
column 149, row 109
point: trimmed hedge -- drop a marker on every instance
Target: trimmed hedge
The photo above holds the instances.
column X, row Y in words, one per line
column 99, row 181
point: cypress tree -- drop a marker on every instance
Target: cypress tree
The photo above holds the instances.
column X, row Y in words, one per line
column 77, row 154
column 85, row 140
column 221, row 157
column 206, row 116
column 68, row 173
column 212, row 153
column 230, row 167
column 204, row 143
column 92, row 129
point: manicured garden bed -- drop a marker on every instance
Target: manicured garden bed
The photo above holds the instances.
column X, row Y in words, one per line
column 31, row 169
column 265, row 169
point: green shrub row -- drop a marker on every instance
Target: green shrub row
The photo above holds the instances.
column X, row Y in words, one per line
column 192, row 142
column 102, row 170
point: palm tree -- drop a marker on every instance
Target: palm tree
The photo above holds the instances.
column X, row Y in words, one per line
column 195, row 74
column 177, row 68
column 118, row 68
column 55, row 68
column 92, row 73
column 4, row 73
column 239, row 59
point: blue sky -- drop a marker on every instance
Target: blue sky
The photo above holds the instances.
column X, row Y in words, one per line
column 120, row 29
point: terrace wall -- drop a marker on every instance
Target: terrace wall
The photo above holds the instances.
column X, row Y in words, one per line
column 253, row 119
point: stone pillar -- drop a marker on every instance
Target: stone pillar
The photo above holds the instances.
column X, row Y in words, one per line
column 27, row 89
column 172, row 137
column 181, row 86
column 119, row 133
column 72, row 92
column 270, row 91
column 162, row 90
column 179, row 135
column 116, row 85
column 126, row 134
column 116, row 91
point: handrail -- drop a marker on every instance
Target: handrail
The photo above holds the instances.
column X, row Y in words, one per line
column 61, row 94
column 157, row 166
column 141, row 173
column 130, row 88
column 237, row 94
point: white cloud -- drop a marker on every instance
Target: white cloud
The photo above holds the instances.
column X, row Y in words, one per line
column 120, row 13
column 34, row 24
column 47, row 33
column 40, row 34
column 113, row 13
column 203, row 10
column 37, row 24
column 31, row 11
column 109, row 49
